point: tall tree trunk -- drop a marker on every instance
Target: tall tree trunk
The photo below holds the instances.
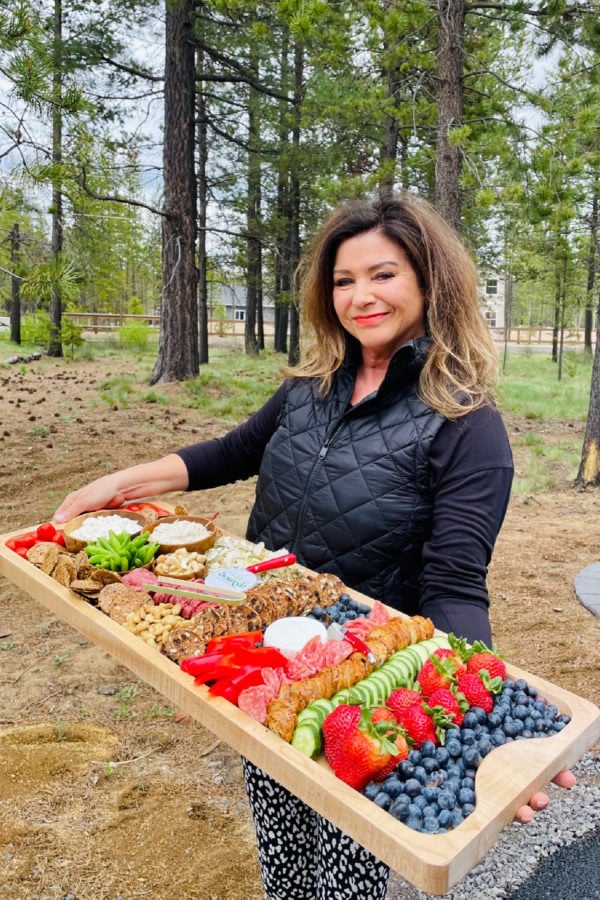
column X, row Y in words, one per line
column 592, row 264
column 253, row 245
column 282, row 242
column 201, row 131
column 55, row 348
column 294, row 350
column 15, row 304
column 177, row 358
column 389, row 147
column 450, row 101
column 589, row 466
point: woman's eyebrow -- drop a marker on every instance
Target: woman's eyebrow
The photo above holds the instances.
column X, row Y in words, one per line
column 378, row 265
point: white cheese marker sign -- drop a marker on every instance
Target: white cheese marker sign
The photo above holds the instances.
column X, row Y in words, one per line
column 243, row 579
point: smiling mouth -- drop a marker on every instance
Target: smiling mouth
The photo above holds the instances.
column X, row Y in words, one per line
column 370, row 320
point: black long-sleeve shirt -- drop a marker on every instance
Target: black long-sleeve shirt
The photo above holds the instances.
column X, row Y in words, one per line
column 471, row 473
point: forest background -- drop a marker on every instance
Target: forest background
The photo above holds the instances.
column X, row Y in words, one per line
column 151, row 153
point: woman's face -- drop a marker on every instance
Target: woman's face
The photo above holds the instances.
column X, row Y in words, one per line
column 376, row 294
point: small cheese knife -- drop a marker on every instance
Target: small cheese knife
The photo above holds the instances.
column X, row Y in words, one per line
column 338, row 632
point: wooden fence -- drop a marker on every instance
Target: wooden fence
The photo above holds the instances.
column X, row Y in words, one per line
column 521, row 335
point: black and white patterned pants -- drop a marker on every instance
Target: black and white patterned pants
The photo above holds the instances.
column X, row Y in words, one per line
column 303, row 856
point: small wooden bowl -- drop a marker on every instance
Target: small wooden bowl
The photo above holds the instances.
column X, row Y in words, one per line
column 200, row 546
column 74, row 545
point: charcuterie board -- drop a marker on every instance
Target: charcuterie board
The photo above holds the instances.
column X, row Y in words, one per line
column 434, row 863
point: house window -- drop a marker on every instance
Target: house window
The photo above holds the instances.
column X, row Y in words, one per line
column 490, row 317
column 239, row 315
column 491, row 286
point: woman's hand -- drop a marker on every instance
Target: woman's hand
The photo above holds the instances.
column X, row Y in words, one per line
column 103, row 493
column 111, row 491
column 540, row 800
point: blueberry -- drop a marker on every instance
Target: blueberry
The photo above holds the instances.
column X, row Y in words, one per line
column 454, row 748
column 468, row 783
column 468, row 736
column 415, row 757
column 467, row 809
column 430, row 825
column 452, row 734
column 485, row 746
column 442, row 756
column 420, row 774
column 470, row 720
column 444, row 817
column 510, row 729
column 430, row 792
column 465, row 795
column 392, row 786
column 414, row 823
column 457, row 817
column 432, row 809
column 371, row 790
column 494, row 720
column 520, row 711
column 383, row 800
column 428, row 749
column 471, row 756
column 405, row 768
column 431, row 765
column 318, row 612
column 399, row 808
column 498, row 738
column 551, row 712
column 446, row 800
column 420, row 802
column 412, row 788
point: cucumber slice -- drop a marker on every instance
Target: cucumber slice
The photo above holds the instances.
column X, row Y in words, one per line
column 323, row 706
column 307, row 739
column 308, row 715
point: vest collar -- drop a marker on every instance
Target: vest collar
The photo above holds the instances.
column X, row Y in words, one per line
column 404, row 367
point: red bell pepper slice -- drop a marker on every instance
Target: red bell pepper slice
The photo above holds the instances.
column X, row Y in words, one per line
column 202, row 666
column 225, row 642
column 265, row 657
column 232, row 686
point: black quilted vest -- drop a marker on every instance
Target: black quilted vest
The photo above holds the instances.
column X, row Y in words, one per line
column 347, row 488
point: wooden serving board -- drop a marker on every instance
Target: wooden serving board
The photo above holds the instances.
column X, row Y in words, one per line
column 505, row 780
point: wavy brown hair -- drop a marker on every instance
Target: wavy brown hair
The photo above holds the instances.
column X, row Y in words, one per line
column 461, row 364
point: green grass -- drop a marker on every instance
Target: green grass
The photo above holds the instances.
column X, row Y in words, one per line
column 232, row 385
column 529, row 387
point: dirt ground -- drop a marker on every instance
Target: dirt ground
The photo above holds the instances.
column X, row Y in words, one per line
column 106, row 792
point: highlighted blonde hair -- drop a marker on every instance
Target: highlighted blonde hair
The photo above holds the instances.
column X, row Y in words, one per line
column 461, row 365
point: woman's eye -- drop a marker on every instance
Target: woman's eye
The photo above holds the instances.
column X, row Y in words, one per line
column 384, row 276
column 342, row 282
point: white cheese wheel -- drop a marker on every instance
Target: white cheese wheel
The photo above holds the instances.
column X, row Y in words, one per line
column 292, row 633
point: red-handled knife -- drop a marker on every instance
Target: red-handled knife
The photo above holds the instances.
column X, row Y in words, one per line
column 340, row 633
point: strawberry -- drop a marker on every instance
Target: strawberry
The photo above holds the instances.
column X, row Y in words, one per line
column 452, row 706
column 362, row 750
column 489, row 661
column 419, row 725
column 403, row 698
column 439, row 671
column 340, row 722
column 478, row 656
column 478, row 689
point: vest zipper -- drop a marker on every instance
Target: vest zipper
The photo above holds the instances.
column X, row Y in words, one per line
column 320, row 456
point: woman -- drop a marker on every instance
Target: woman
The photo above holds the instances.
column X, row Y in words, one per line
column 382, row 459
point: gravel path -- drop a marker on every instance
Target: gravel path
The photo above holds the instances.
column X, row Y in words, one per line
column 556, row 856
